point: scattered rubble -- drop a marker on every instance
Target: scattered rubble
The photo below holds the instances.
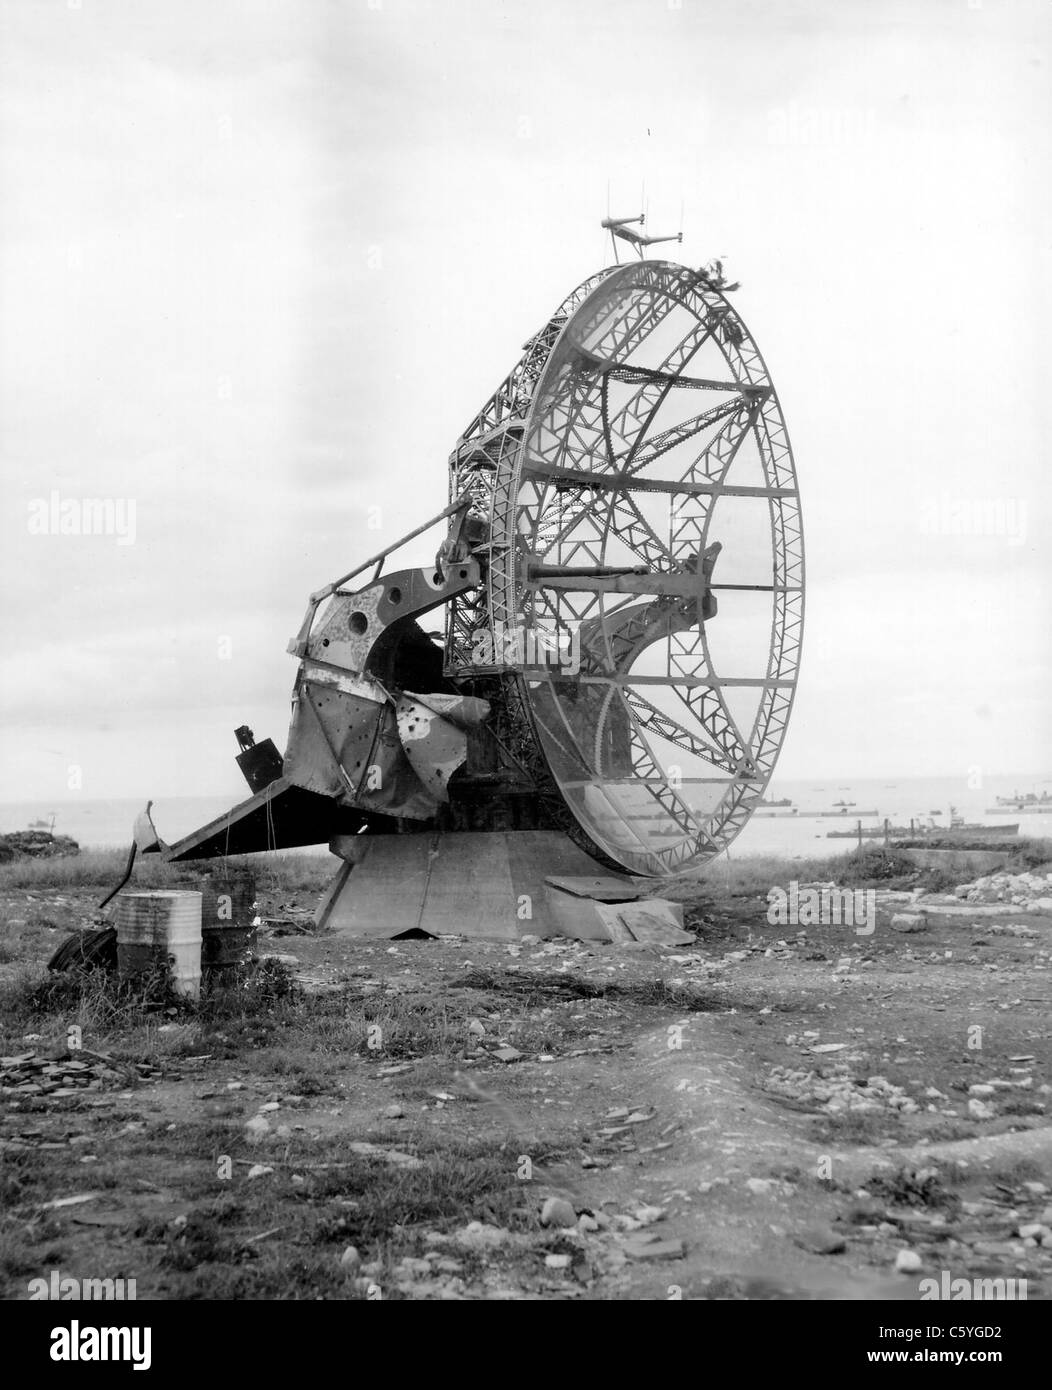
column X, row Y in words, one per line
column 820, row 1240
column 909, row 922
column 557, row 1211
column 31, row 1074
column 393, row 1156
column 257, row 1129
column 1030, row 891
column 979, row 1110
column 837, row 1090
column 649, row 1247
column 290, row 920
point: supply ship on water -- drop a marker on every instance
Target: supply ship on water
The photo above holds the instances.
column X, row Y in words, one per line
column 1022, row 804
column 958, row 829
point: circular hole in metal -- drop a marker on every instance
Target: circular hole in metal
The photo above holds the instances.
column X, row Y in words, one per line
column 463, row 574
column 358, row 623
column 394, row 595
column 437, row 577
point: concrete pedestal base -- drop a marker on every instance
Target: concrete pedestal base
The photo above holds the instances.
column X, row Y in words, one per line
column 499, row 885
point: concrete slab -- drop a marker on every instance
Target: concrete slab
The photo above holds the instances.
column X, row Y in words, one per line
column 652, row 922
column 602, row 888
column 488, row 885
column 383, row 895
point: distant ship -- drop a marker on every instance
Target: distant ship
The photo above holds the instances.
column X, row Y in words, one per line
column 1028, row 802
column 958, row 829
column 782, row 801
column 868, row 832
column 844, row 803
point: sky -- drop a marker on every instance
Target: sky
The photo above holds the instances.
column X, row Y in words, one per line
column 260, row 264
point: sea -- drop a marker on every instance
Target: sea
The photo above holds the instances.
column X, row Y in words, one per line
column 108, row 824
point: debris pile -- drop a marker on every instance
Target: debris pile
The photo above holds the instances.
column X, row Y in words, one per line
column 927, row 1224
column 573, row 1249
column 35, row 844
column 290, row 920
column 1030, row 891
column 30, row 1074
column 836, row 1091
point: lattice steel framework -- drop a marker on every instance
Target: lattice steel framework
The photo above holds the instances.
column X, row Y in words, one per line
column 566, row 462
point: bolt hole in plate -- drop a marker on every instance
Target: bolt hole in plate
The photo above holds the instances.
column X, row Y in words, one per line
column 358, row 623
column 653, row 432
column 394, row 595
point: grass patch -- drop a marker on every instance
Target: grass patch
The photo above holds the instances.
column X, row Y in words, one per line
column 1030, row 852
column 293, row 873
column 852, row 1128
column 756, row 874
column 913, row 1188
column 1021, row 1105
column 96, row 868
column 535, row 988
column 103, row 868
column 1004, row 1177
column 255, row 1011
column 875, row 866
column 878, row 866
column 112, row 1012
column 307, row 1042
column 190, row 1233
column 466, row 1180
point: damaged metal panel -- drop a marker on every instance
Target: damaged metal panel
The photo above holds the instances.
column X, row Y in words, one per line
column 279, row 817
column 433, row 732
column 352, row 741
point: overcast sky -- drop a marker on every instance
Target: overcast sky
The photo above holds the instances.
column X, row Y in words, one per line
column 261, row 262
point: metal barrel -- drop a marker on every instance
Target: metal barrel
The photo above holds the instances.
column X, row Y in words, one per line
column 228, row 919
column 161, row 928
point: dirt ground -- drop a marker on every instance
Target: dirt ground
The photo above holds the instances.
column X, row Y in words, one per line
column 772, row 1113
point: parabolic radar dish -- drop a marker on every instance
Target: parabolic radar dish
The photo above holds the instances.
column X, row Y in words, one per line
column 633, row 488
